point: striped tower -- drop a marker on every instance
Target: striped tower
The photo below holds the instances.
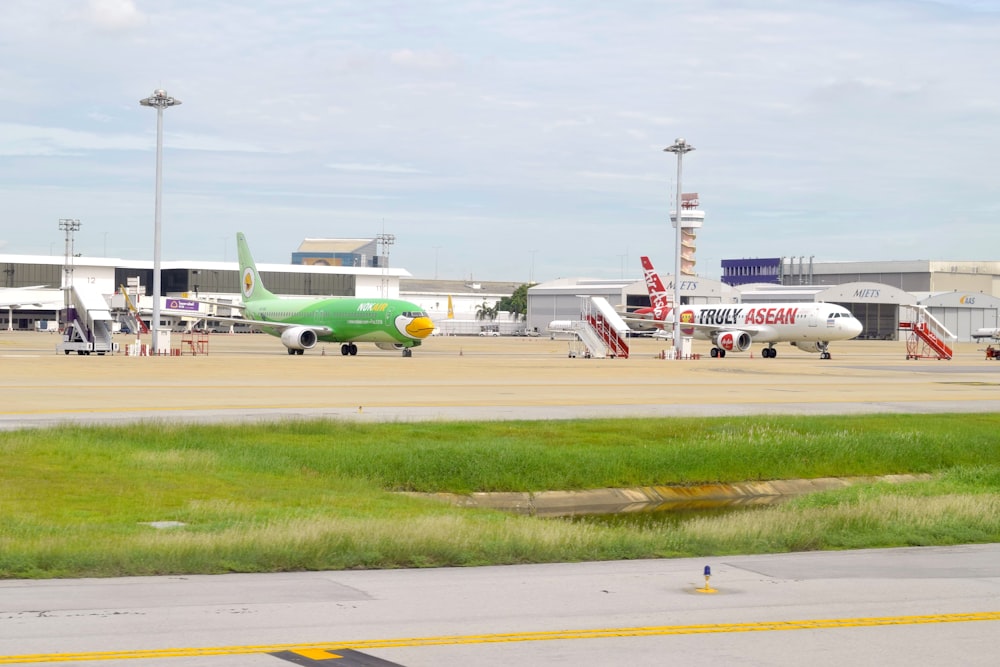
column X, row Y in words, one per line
column 691, row 221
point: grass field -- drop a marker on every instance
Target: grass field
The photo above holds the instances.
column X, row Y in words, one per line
column 322, row 494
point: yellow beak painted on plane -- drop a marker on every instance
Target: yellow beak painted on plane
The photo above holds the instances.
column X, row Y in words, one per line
column 420, row 327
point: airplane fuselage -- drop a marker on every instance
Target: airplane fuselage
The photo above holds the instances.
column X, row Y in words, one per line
column 734, row 327
column 348, row 319
column 772, row 322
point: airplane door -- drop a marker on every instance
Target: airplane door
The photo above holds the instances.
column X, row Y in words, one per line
column 813, row 319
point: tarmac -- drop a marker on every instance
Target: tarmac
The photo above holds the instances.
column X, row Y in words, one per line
column 893, row 607
column 250, row 377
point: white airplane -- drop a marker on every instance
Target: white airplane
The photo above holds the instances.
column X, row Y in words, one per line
column 734, row 327
column 986, row 333
column 37, row 296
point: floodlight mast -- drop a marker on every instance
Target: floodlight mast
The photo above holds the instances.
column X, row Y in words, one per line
column 680, row 147
column 385, row 240
column 159, row 100
column 68, row 225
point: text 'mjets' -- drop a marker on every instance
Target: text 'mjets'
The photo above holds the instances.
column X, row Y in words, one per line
column 734, row 327
column 300, row 322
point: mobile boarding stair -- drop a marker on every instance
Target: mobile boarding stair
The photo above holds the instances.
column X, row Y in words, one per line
column 926, row 336
column 132, row 318
column 601, row 330
column 88, row 323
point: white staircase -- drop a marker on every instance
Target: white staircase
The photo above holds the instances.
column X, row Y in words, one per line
column 88, row 323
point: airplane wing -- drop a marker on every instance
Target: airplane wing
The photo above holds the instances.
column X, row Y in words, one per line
column 752, row 329
column 210, row 302
column 24, row 303
column 36, row 296
column 278, row 326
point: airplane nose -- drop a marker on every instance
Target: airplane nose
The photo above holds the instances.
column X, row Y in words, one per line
column 855, row 327
column 420, row 327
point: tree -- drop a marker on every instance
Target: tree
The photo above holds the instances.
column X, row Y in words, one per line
column 486, row 312
column 517, row 303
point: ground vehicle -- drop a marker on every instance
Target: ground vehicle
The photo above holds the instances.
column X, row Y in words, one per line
column 489, row 332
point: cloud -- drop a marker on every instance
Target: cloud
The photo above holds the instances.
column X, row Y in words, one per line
column 373, row 168
column 32, row 140
column 424, row 60
column 807, row 117
column 114, row 15
column 35, row 140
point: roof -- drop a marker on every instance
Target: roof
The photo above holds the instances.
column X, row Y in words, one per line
column 455, row 287
column 201, row 265
column 333, row 245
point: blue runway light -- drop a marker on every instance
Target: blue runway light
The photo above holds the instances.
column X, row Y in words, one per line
column 708, row 575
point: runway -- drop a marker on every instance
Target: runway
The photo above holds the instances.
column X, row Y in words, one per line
column 887, row 607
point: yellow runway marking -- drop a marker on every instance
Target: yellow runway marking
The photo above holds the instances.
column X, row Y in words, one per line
column 316, row 654
column 650, row 631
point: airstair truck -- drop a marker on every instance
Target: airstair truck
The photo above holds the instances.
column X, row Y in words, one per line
column 88, row 323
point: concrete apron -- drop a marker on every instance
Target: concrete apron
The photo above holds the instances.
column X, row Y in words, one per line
column 655, row 498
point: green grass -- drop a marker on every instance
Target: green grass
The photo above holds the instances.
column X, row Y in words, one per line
column 319, row 494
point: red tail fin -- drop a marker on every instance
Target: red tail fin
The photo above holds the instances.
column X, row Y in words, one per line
column 658, row 296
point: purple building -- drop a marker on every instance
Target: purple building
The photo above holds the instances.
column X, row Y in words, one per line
column 745, row 271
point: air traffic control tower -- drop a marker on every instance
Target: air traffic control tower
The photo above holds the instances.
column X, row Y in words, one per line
column 691, row 221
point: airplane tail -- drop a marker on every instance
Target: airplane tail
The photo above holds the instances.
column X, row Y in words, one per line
column 251, row 285
column 658, row 297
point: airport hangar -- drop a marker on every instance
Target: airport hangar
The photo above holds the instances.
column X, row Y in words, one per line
column 964, row 296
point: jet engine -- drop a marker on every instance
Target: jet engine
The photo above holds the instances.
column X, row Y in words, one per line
column 807, row 345
column 733, row 341
column 389, row 346
column 298, row 338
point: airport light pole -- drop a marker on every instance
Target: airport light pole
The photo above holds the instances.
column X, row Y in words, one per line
column 68, row 225
column 159, row 100
column 385, row 240
column 680, row 147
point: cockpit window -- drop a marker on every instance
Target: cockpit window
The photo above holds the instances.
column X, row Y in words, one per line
column 414, row 314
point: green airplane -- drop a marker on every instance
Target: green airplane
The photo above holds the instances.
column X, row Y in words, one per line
column 301, row 322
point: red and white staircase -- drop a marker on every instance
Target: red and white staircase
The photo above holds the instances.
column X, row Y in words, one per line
column 926, row 336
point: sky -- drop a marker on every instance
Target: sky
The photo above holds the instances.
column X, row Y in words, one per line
column 504, row 139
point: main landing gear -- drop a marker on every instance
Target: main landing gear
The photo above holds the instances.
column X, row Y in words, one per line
column 769, row 352
column 717, row 352
column 349, row 349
